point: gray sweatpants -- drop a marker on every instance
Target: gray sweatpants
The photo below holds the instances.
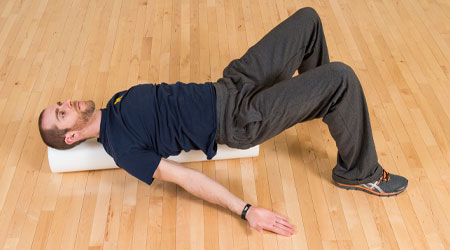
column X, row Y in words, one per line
column 258, row 98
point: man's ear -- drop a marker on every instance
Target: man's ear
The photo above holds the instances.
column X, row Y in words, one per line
column 72, row 137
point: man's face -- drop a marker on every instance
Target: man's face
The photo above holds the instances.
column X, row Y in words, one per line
column 72, row 115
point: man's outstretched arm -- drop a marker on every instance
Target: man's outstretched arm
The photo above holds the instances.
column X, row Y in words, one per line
column 207, row 189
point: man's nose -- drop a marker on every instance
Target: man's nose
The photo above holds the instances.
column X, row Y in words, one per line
column 68, row 103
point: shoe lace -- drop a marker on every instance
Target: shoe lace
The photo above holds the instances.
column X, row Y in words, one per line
column 385, row 176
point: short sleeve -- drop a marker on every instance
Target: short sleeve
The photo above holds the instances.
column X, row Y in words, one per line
column 140, row 163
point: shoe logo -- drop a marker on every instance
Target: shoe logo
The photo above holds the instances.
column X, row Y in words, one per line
column 373, row 186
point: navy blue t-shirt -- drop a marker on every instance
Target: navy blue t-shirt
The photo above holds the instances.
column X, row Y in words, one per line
column 152, row 121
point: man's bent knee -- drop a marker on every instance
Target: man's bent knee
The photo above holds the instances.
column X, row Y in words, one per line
column 310, row 12
column 346, row 73
column 342, row 69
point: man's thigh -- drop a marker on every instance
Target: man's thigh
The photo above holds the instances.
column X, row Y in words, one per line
column 282, row 51
column 302, row 98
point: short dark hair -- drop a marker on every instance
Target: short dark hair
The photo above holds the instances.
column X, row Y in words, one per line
column 54, row 137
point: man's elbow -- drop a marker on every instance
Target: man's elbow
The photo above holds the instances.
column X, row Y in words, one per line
column 170, row 171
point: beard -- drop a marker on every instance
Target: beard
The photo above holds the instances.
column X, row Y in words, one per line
column 88, row 112
column 85, row 116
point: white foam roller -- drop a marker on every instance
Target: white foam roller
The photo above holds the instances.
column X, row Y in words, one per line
column 90, row 155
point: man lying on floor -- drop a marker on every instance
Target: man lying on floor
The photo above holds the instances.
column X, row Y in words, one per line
column 256, row 99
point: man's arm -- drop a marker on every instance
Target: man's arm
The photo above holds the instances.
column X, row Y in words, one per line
column 207, row 189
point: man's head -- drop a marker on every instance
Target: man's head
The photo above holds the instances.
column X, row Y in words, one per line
column 62, row 125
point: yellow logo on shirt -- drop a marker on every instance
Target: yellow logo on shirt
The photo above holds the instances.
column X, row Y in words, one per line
column 118, row 100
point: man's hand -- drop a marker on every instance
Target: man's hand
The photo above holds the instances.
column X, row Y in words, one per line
column 260, row 218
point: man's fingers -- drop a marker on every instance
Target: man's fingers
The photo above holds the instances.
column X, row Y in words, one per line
column 268, row 220
column 284, row 221
column 287, row 225
column 279, row 230
column 288, row 229
column 280, row 217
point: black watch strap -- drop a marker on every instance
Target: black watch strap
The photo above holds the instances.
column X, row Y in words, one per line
column 244, row 211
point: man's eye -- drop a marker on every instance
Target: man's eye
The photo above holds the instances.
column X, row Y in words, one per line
column 62, row 114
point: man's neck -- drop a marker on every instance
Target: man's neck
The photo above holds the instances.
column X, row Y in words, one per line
column 93, row 128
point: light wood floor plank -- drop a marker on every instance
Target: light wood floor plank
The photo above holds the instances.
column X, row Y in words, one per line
column 224, row 222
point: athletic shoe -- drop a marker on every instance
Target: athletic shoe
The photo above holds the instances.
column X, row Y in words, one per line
column 387, row 185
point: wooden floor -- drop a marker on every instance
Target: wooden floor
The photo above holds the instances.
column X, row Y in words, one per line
column 89, row 49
